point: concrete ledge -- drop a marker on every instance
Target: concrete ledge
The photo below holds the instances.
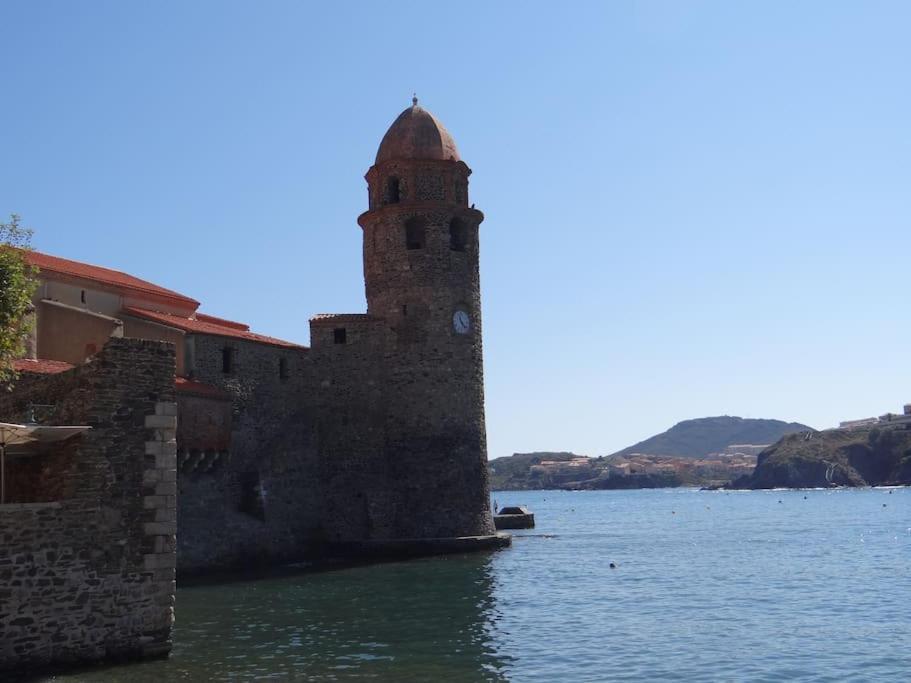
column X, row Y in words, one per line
column 418, row 547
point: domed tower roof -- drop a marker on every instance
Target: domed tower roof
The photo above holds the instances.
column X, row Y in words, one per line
column 417, row 134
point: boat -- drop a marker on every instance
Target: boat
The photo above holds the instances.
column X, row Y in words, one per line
column 514, row 517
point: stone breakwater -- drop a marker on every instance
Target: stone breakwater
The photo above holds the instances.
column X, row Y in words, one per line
column 87, row 546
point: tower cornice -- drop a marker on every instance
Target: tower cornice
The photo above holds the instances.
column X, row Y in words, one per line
column 442, row 164
column 473, row 216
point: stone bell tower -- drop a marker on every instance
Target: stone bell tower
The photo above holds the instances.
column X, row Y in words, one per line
column 421, row 275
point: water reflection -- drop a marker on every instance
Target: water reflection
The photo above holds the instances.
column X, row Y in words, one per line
column 423, row 620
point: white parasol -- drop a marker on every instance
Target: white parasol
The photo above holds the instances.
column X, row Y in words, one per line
column 17, row 435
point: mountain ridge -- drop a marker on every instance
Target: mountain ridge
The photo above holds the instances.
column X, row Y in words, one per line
column 700, row 436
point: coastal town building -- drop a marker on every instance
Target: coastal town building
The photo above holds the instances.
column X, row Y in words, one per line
column 214, row 447
column 744, row 449
column 886, row 420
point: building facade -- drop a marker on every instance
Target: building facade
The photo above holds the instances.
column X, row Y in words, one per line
column 373, row 434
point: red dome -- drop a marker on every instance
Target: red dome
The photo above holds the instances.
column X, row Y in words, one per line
column 417, row 134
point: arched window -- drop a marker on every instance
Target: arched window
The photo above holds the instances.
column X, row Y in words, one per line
column 415, row 233
column 392, row 190
column 458, row 235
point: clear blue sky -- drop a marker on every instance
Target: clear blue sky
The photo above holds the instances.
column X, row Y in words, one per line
column 693, row 208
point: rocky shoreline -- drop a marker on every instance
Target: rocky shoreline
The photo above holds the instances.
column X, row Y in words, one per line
column 833, row 458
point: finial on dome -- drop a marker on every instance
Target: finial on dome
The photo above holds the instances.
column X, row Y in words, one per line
column 414, row 99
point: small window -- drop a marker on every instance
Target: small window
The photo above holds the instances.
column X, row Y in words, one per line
column 227, row 360
column 283, row 368
column 392, row 190
column 252, row 501
column 414, row 234
column 340, row 335
column 404, row 310
column 458, row 235
column 82, row 296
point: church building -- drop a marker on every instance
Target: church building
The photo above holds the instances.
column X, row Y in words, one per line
column 371, row 437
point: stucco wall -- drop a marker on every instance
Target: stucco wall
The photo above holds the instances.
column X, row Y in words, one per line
column 142, row 329
column 85, row 295
column 69, row 334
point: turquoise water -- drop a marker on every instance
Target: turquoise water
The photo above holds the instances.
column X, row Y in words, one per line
column 740, row 586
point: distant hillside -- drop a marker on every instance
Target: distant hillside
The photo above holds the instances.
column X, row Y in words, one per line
column 835, row 457
column 697, row 438
column 511, row 473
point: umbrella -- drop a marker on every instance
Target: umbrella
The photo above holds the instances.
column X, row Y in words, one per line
column 11, row 435
column 14, row 435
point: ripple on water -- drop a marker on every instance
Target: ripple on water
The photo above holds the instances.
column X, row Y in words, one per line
column 707, row 586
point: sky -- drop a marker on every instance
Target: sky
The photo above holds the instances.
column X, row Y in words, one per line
column 692, row 208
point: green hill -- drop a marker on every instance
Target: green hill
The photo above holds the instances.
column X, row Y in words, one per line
column 511, row 473
column 836, row 457
column 698, row 438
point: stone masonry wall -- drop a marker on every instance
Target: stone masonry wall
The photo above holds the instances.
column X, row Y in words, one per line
column 91, row 575
column 435, row 436
column 261, row 503
column 347, row 399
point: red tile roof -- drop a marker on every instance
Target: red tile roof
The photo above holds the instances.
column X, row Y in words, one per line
column 190, row 386
column 41, row 366
column 203, row 326
column 85, row 271
column 221, row 321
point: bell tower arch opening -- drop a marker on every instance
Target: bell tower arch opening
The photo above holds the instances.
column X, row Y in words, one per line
column 458, row 234
column 393, row 190
column 415, row 234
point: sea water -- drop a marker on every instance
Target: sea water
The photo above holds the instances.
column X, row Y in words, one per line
column 713, row 586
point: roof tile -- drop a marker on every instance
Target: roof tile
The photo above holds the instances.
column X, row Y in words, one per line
column 203, row 326
column 41, row 366
column 62, row 266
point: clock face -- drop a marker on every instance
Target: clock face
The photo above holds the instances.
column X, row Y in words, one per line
column 461, row 323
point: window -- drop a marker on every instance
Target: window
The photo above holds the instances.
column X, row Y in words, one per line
column 392, row 190
column 283, row 368
column 252, row 501
column 82, row 296
column 414, row 234
column 340, row 335
column 227, row 360
column 404, row 309
column 458, row 235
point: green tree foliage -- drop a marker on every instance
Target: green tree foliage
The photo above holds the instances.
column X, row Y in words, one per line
column 18, row 281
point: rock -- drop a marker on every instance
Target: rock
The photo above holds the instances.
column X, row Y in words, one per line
column 833, row 458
